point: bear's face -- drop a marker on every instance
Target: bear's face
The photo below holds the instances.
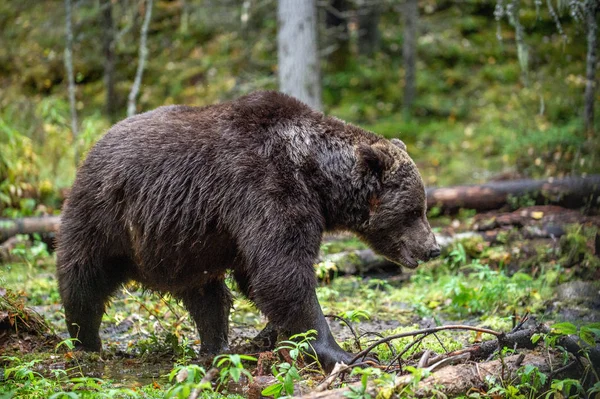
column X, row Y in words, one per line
column 397, row 227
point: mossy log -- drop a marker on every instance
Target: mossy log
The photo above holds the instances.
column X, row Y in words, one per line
column 570, row 192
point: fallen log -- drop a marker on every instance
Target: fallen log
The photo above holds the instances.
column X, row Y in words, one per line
column 570, row 192
column 44, row 224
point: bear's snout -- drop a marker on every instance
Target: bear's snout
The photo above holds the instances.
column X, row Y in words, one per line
column 434, row 252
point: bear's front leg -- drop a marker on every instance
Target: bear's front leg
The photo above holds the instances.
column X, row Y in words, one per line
column 327, row 349
column 286, row 295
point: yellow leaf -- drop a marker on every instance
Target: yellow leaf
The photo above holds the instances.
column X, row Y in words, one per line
column 537, row 215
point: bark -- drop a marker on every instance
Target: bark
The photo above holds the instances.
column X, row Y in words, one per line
column 69, row 68
column 336, row 21
column 545, row 220
column 409, row 53
column 131, row 107
column 369, row 36
column 108, row 48
column 592, row 48
column 11, row 227
column 570, row 192
column 299, row 71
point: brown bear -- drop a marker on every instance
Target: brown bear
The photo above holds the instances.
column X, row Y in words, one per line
column 176, row 197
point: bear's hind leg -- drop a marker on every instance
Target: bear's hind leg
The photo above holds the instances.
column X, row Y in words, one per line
column 84, row 290
column 209, row 307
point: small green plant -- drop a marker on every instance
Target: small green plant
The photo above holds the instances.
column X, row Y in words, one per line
column 457, row 257
column 288, row 373
column 30, row 253
column 355, row 315
column 232, row 368
column 361, row 392
column 187, row 379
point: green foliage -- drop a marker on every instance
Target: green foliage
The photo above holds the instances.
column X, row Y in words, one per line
column 33, row 253
column 232, row 368
column 187, row 379
column 299, row 348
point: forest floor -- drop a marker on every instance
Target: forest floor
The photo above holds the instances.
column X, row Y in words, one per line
column 497, row 279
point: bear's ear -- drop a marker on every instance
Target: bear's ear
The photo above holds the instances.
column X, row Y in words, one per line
column 373, row 158
column 399, row 143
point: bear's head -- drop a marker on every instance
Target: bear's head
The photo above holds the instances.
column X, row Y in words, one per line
column 397, row 225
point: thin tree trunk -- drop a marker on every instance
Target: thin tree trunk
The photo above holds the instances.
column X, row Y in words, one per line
column 299, row 71
column 185, row 17
column 69, row 68
column 409, row 53
column 592, row 48
column 368, row 25
column 108, row 48
column 142, row 61
column 336, row 21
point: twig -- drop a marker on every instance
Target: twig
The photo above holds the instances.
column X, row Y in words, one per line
column 424, row 359
column 520, row 324
column 448, row 361
column 406, row 349
column 338, row 369
column 440, row 342
column 346, row 322
column 390, row 346
column 207, row 379
column 424, row 331
column 560, row 370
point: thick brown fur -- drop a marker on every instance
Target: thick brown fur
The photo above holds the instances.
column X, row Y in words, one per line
column 175, row 197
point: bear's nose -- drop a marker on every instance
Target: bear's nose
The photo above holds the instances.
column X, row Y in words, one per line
column 434, row 253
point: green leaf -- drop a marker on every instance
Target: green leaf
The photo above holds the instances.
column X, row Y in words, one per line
column 235, row 374
column 588, row 336
column 272, row 390
column 288, row 384
column 564, row 328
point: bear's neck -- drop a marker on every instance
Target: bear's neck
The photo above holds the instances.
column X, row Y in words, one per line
column 344, row 195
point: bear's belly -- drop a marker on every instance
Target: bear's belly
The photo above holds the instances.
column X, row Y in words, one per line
column 180, row 268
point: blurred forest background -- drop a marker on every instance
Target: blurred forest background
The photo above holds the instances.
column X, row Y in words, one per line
column 479, row 90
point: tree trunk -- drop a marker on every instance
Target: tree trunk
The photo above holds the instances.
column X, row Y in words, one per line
column 184, row 21
column 336, row 21
column 70, row 75
column 131, row 108
column 299, row 71
column 368, row 24
column 592, row 48
column 570, row 192
column 409, row 53
column 108, row 48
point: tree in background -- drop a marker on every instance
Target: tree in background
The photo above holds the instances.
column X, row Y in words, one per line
column 585, row 11
column 135, row 88
column 369, row 13
column 69, row 65
column 108, row 48
column 409, row 53
column 297, row 51
column 336, row 23
column 591, row 16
